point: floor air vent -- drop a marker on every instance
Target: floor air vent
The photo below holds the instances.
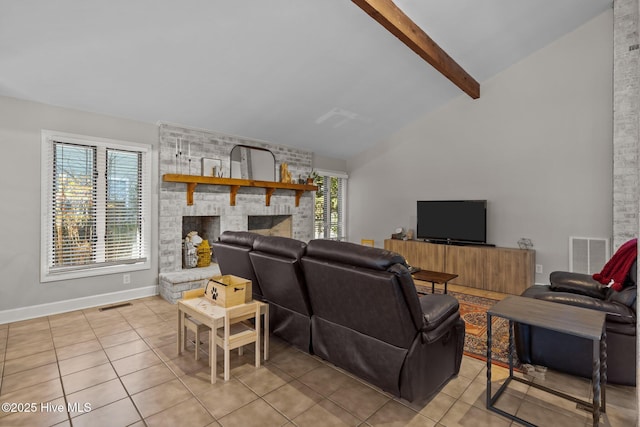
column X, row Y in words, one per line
column 111, row 307
column 588, row 254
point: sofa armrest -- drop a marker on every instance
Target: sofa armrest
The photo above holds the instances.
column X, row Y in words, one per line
column 439, row 314
column 436, row 309
column 617, row 313
column 577, row 283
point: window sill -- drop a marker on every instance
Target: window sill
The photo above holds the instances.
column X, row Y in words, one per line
column 46, row 276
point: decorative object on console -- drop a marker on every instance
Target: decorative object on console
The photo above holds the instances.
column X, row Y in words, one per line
column 178, row 156
column 285, row 175
column 180, row 153
column 525, row 243
column 399, row 234
column 367, row 242
column 312, row 177
column 212, row 167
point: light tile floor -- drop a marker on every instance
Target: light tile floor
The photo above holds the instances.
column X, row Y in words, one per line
column 123, row 363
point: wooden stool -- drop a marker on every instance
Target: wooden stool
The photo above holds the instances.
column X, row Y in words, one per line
column 197, row 328
column 192, row 324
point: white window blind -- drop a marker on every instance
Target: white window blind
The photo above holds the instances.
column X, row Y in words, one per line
column 330, row 205
column 123, row 221
column 73, row 205
column 95, row 202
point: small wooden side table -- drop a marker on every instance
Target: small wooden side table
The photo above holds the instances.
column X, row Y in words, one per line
column 434, row 277
column 213, row 316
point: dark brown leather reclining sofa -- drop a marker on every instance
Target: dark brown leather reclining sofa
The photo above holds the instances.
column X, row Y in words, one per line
column 573, row 355
column 357, row 307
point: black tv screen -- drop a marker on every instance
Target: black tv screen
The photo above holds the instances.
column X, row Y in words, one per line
column 455, row 220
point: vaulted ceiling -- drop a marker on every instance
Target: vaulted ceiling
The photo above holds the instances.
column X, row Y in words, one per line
column 319, row 75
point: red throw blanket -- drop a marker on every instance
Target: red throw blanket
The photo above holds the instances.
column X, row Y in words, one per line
column 617, row 269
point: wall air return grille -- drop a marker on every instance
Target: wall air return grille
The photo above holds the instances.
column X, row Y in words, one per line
column 588, row 254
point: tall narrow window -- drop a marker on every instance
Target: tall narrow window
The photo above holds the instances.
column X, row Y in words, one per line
column 330, row 214
column 123, row 206
column 73, row 205
column 95, row 200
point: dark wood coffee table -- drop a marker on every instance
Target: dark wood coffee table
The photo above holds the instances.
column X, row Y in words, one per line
column 434, row 277
column 567, row 319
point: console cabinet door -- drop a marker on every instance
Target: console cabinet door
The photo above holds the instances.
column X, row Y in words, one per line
column 427, row 256
column 510, row 271
column 468, row 263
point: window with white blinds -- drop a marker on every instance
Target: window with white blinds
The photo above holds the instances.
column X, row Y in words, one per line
column 330, row 202
column 96, row 196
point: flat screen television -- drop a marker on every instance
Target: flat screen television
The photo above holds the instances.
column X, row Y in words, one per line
column 463, row 221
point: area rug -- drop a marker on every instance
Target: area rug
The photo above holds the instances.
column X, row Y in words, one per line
column 473, row 310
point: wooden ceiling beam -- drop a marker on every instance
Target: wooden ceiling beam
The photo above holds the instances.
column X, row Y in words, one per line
column 401, row 26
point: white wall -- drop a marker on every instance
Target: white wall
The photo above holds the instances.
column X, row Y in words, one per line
column 537, row 145
column 20, row 141
column 329, row 163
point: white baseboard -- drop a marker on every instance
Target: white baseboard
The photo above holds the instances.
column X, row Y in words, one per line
column 48, row 309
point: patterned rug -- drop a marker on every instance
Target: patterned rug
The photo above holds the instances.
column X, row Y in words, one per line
column 473, row 310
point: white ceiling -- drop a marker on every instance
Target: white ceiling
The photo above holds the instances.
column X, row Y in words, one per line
column 320, row 75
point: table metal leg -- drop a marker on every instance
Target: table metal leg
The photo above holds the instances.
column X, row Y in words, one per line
column 433, row 287
column 445, row 287
column 596, row 382
column 603, row 370
column 511, row 348
column 488, row 360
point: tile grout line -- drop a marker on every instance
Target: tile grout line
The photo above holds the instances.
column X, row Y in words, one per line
column 64, row 394
column 113, row 367
column 118, row 375
column 177, row 376
column 4, row 358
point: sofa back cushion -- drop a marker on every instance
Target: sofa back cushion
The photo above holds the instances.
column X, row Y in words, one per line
column 349, row 285
column 232, row 255
column 276, row 262
column 354, row 254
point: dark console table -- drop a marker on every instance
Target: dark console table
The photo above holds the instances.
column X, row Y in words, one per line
column 567, row 319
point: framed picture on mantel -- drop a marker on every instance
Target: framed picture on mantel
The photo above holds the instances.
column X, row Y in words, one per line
column 211, row 167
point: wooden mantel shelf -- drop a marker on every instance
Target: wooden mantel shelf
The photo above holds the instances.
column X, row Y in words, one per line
column 235, row 184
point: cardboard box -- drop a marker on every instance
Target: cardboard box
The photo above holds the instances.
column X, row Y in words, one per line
column 228, row 290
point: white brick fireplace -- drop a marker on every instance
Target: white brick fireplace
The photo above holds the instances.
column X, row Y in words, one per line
column 213, row 200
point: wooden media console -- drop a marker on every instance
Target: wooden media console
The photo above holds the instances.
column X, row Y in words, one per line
column 506, row 270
